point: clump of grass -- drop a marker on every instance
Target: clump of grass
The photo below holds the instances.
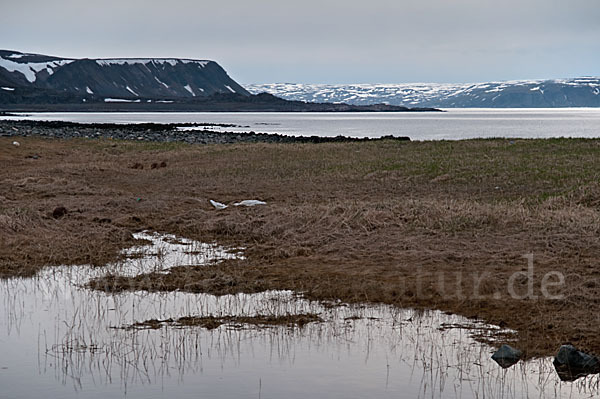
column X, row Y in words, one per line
column 212, row 322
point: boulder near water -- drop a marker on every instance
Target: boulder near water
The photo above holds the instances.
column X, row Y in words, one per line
column 506, row 356
column 571, row 364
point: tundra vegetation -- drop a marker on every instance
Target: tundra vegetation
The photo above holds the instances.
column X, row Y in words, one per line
column 499, row 230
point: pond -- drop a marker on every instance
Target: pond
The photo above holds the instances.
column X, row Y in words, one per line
column 60, row 339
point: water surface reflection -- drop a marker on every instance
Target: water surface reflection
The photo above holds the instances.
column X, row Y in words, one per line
column 59, row 339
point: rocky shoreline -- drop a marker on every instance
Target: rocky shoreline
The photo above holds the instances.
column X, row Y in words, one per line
column 156, row 132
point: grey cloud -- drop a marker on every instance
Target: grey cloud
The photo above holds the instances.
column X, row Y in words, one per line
column 324, row 41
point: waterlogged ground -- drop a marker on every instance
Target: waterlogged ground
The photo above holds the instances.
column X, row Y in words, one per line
column 59, row 339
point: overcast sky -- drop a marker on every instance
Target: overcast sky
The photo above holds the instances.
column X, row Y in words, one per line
column 323, row 41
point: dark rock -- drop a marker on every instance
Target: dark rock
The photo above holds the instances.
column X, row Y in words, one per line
column 507, row 356
column 571, row 364
column 137, row 165
column 163, row 164
column 399, row 138
column 59, row 212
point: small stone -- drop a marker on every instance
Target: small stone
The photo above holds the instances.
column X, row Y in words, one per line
column 16, row 143
column 59, row 212
column 506, row 356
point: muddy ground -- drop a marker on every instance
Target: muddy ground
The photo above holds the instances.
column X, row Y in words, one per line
column 432, row 225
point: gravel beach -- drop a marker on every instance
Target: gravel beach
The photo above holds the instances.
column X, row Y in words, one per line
column 193, row 134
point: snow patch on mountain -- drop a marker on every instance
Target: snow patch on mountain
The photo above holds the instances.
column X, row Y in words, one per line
column 31, row 69
column 161, row 82
column 189, row 88
column 117, row 100
column 144, row 61
column 131, row 91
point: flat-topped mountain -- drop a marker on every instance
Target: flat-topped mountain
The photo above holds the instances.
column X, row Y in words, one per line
column 119, row 78
column 576, row 92
column 35, row 82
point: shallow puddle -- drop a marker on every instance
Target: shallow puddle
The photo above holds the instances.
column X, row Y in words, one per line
column 58, row 339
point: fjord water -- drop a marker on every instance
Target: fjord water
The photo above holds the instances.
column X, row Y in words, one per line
column 58, row 339
column 454, row 124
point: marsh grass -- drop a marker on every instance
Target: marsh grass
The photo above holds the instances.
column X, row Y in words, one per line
column 375, row 222
column 211, row 322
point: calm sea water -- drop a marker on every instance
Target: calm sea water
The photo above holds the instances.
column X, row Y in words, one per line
column 454, row 124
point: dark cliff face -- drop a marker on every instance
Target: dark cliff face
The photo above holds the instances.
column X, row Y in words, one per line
column 22, row 74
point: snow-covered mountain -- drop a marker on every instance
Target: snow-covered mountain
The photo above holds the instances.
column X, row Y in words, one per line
column 24, row 74
column 578, row 92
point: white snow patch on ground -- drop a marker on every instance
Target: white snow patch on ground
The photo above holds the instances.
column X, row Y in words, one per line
column 131, row 91
column 30, row 69
column 188, row 88
column 8, row 88
column 230, row 89
column 250, row 203
column 88, row 90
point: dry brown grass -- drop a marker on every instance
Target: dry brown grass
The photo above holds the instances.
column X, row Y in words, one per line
column 429, row 225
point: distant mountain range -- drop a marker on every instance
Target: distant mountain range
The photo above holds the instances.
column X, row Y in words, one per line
column 35, row 82
column 578, row 92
